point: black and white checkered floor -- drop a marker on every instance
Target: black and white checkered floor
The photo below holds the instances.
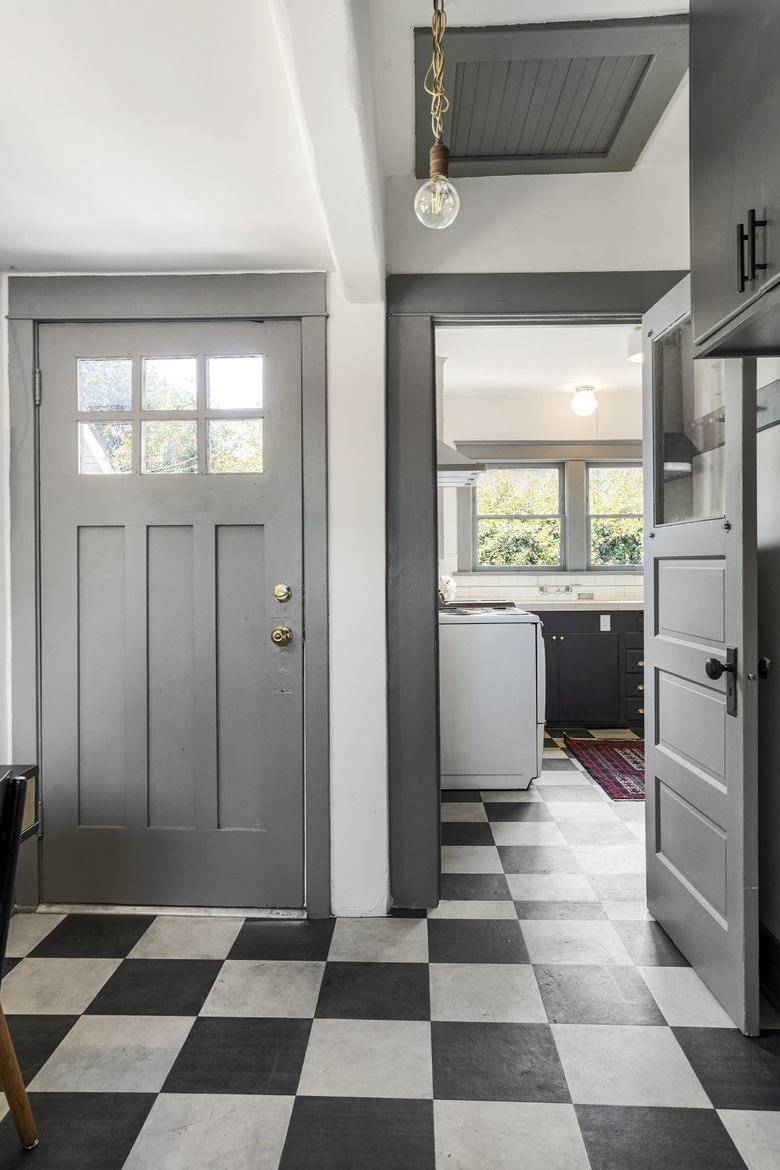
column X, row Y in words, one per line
column 538, row 1019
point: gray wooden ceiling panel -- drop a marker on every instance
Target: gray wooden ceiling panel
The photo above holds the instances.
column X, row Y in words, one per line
column 553, row 98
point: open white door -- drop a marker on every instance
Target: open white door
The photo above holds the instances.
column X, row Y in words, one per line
column 700, row 656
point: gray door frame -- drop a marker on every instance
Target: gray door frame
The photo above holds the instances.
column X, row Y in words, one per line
column 415, row 304
column 262, row 296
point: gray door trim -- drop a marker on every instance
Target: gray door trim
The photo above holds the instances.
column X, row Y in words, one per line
column 414, row 304
column 33, row 300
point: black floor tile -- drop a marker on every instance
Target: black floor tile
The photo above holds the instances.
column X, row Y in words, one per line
column 464, row 795
column 404, row 912
column 472, row 940
column 78, row 1131
column 241, row 1056
column 35, row 1039
column 466, row 833
column 649, row 945
column 736, row 1071
column 344, row 1133
column 538, row 859
column 529, row 810
column 562, row 911
column 93, row 936
column 474, row 887
column 157, row 987
column 638, row 1138
column 375, row 991
column 9, row 964
column 596, row 995
column 496, row 1062
column 308, row 940
column 553, row 764
column 573, row 732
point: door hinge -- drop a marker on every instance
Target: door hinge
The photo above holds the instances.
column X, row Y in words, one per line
column 37, row 388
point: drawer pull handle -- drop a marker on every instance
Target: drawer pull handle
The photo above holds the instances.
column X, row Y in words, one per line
column 641, row 663
column 641, row 687
column 641, row 710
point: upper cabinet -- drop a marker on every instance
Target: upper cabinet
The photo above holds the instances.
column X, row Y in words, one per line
column 735, row 175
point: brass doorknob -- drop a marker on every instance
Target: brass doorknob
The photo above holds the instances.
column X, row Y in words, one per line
column 282, row 636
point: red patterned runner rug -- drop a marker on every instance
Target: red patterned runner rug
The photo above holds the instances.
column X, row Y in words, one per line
column 618, row 765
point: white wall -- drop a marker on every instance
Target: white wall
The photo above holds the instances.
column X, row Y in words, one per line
column 548, row 223
column 5, row 536
column 356, row 512
column 540, row 416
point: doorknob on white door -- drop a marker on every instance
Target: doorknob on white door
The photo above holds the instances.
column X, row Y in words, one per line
column 715, row 668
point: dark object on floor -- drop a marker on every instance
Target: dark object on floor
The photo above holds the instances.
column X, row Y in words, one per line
column 13, row 789
column 617, row 765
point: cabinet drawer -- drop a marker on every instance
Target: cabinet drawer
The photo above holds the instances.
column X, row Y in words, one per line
column 635, row 710
column 635, row 686
column 635, row 661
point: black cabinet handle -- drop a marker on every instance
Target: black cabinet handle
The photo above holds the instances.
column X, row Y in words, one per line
column 753, row 225
column 741, row 241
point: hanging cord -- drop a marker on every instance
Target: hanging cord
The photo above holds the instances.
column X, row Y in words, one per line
column 434, row 78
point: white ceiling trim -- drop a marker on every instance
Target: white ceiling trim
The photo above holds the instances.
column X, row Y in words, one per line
column 319, row 46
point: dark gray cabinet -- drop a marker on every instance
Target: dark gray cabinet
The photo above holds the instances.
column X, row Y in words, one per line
column 735, row 175
column 594, row 678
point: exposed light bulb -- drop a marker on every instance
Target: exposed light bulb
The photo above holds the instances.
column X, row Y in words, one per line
column 437, row 203
column 584, row 401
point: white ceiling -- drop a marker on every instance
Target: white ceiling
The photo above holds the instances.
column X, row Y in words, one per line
column 173, row 135
column 150, row 134
column 519, row 359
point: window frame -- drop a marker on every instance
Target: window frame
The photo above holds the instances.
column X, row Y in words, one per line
column 591, row 516
column 574, row 458
column 560, row 516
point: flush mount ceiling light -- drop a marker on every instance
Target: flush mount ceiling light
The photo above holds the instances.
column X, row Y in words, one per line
column 437, row 203
column 635, row 351
column 584, row 400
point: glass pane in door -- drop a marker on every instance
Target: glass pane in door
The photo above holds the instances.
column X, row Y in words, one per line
column 690, row 429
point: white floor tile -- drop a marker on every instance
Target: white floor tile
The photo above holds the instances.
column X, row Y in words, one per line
column 550, row 887
column 27, row 930
column 473, row 909
column 756, row 1134
column 368, row 1058
column 579, row 942
column 638, row 829
column 582, row 812
column 620, row 887
column 470, row 859
column 114, row 1054
column 55, row 987
column 527, row 833
column 462, row 810
column 183, row 937
column 684, row 999
column 498, row 1135
column 609, row 1064
column 263, row 988
column 379, row 940
column 212, row 1132
column 600, row 859
column 495, row 993
column 573, row 779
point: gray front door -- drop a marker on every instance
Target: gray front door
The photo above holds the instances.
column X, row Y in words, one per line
column 700, row 654
column 170, row 508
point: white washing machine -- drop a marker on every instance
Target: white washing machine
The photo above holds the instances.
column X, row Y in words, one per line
column 492, row 696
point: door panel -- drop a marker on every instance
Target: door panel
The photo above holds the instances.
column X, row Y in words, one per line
column 700, row 597
column 172, row 735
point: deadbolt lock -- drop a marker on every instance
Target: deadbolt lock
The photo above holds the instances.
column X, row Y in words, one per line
column 282, row 592
column 282, row 636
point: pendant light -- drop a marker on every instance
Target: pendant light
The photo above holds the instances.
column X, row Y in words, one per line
column 584, row 401
column 437, row 203
column 635, row 351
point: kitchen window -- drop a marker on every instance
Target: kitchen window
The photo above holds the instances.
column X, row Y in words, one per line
column 519, row 517
column 615, row 526
column 577, row 513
